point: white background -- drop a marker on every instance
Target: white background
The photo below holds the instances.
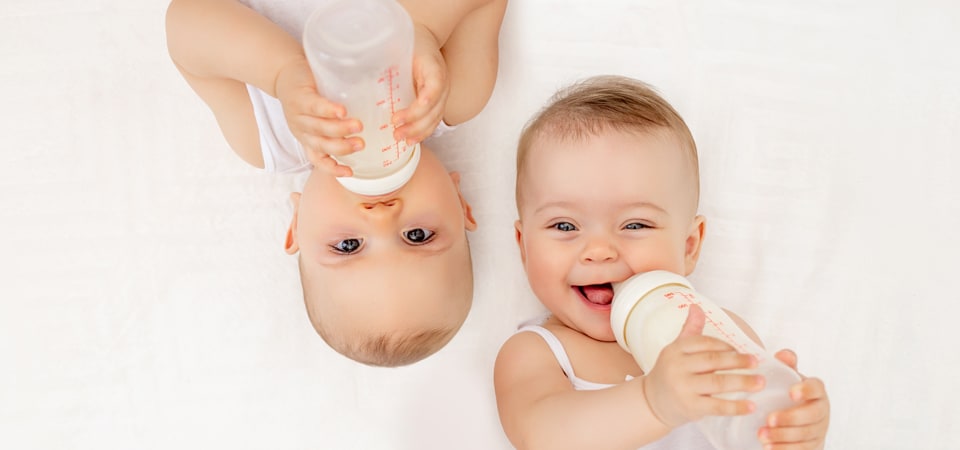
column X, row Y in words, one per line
column 146, row 303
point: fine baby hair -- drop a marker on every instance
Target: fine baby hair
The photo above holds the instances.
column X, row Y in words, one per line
column 595, row 104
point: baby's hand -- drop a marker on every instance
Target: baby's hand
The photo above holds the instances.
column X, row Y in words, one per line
column 803, row 426
column 320, row 125
column 418, row 120
column 681, row 385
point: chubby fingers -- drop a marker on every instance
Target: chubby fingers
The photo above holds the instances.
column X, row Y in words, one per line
column 803, row 426
column 328, row 136
column 418, row 120
column 693, row 325
column 787, row 357
column 705, row 355
column 708, row 385
column 319, row 106
column 420, row 129
column 807, row 390
column 812, row 405
column 718, row 407
column 429, row 92
column 329, row 165
column 791, row 438
column 705, row 368
column 320, row 124
column 713, row 380
column 808, row 436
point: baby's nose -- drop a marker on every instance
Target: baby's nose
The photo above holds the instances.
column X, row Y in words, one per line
column 383, row 209
column 599, row 250
column 382, row 204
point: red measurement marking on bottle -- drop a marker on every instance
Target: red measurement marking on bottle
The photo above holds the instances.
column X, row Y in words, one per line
column 390, row 79
column 691, row 299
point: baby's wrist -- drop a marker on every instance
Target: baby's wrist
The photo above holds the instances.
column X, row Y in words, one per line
column 295, row 63
column 422, row 33
column 644, row 382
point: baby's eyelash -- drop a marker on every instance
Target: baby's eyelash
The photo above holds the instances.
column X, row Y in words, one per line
column 636, row 226
column 347, row 246
column 565, row 227
column 419, row 236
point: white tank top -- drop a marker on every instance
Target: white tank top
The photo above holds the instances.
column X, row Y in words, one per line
column 684, row 437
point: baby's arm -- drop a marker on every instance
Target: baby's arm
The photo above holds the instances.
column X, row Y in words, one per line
column 456, row 57
column 539, row 408
column 221, row 45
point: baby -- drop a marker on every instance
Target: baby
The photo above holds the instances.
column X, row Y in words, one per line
column 387, row 280
column 607, row 187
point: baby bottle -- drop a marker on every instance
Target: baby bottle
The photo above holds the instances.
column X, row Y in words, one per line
column 649, row 310
column 361, row 52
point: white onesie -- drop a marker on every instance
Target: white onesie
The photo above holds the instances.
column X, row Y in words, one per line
column 684, row 437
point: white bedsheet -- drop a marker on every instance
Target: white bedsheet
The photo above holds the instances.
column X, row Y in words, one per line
column 146, row 303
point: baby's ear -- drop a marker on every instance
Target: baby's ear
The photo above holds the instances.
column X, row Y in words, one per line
column 691, row 251
column 518, row 234
column 290, row 245
column 468, row 221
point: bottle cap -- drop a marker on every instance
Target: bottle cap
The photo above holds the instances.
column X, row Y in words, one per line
column 628, row 293
column 383, row 185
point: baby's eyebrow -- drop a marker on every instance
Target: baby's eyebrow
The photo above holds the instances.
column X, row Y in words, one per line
column 647, row 205
column 554, row 204
column 567, row 204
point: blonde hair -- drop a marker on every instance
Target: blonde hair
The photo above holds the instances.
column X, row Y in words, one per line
column 603, row 103
column 391, row 349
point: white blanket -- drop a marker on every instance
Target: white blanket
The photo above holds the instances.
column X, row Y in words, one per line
column 146, row 302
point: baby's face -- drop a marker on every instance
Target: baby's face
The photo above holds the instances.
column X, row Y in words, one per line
column 389, row 262
column 598, row 210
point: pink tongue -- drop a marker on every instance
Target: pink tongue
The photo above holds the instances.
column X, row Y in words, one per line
column 600, row 294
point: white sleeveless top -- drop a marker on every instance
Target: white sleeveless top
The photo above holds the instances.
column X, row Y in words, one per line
column 684, row 437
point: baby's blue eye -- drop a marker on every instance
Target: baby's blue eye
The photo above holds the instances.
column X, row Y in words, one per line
column 418, row 236
column 635, row 226
column 347, row 246
column 564, row 226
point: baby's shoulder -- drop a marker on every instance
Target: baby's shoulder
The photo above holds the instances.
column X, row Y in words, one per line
column 527, row 346
column 540, row 342
column 523, row 341
column 525, row 357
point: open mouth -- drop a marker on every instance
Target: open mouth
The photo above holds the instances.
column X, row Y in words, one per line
column 596, row 294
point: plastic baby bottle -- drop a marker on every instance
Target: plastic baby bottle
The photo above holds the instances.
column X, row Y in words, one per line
column 361, row 52
column 649, row 310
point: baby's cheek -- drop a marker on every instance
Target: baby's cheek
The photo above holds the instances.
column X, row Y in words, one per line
column 538, row 273
column 544, row 268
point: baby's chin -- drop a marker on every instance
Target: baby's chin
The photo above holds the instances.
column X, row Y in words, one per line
column 602, row 335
